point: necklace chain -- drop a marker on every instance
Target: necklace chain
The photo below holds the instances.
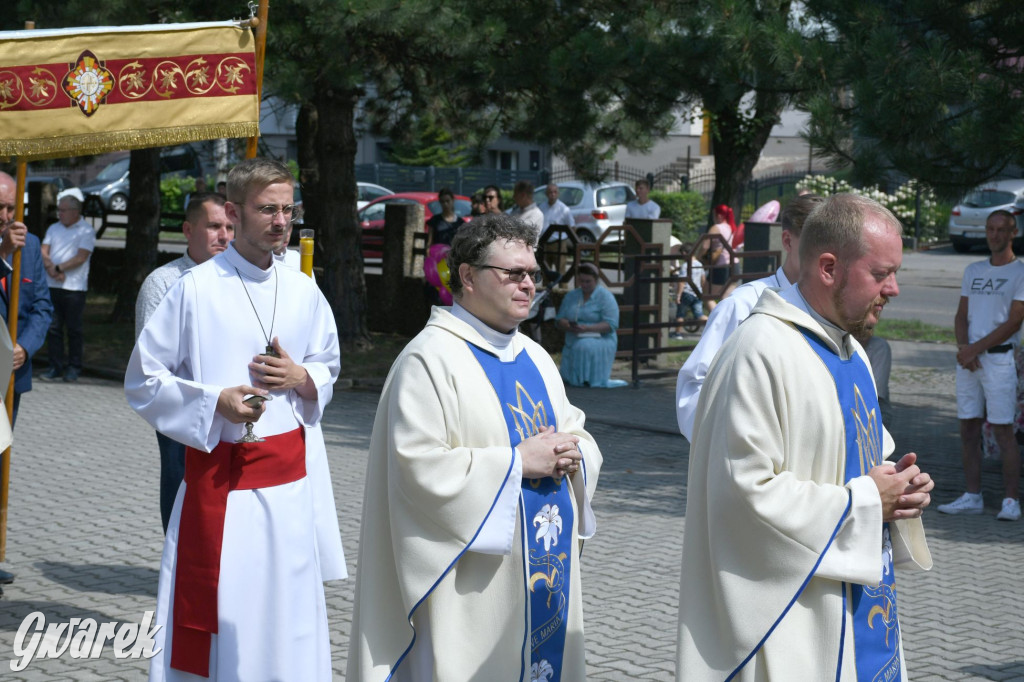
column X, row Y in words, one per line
column 273, row 317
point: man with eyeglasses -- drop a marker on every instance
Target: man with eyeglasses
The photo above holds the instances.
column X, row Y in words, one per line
column 67, row 249
column 478, row 489
column 34, row 307
column 241, row 345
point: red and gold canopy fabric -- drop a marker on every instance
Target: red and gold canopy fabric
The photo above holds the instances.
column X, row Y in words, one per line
column 92, row 90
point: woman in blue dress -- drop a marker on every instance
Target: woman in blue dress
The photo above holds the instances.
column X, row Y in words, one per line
column 589, row 316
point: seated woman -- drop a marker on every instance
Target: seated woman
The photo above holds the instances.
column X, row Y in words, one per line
column 589, row 316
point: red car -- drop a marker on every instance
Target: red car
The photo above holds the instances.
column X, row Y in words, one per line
column 371, row 216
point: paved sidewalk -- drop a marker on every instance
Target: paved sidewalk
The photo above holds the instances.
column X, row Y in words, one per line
column 85, row 539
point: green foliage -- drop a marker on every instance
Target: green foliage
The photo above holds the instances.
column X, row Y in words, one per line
column 926, row 87
column 173, row 192
column 428, row 143
column 933, row 215
column 914, row 330
column 687, row 210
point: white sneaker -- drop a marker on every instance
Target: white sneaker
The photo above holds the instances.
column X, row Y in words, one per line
column 1010, row 510
column 968, row 503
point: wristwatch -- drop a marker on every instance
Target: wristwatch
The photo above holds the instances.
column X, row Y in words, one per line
column 57, row 268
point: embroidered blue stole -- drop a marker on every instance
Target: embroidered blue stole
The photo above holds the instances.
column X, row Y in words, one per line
column 546, row 508
column 876, row 632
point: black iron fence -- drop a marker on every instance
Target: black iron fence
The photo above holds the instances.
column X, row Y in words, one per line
column 431, row 178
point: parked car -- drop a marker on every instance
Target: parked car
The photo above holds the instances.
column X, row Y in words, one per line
column 110, row 187
column 967, row 220
column 372, row 215
column 595, row 207
column 369, row 191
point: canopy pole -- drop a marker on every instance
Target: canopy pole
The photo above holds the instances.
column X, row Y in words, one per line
column 261, row 52
column 12, row 328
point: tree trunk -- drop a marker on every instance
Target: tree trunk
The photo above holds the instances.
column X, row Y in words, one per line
column 335, row 211
column 142, row 240
column 306, row 124
column 738, row 144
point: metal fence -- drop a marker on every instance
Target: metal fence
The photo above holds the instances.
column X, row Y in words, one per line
column 431, row 178
column 666, row 178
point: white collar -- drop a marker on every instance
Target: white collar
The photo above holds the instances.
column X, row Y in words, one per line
column 249, row 270
column 501, row 343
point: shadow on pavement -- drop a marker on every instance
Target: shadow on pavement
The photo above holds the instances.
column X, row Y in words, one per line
column 1005, row 671
column 105, row 578
column 14, row 613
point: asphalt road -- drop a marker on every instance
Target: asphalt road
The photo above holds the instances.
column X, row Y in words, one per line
column 930, row 285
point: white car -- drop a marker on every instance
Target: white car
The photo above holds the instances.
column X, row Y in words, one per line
column 595, row 207
column 967, row 220
column 368, row 192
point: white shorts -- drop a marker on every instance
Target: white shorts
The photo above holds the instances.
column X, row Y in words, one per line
column 989, row 392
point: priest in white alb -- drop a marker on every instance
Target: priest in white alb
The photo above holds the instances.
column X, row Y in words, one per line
column 478, row 490
column 796, row 529
column 237, row 361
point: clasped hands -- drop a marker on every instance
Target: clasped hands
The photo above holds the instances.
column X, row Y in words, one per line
column 967, row 357
column 550, row 453
column 269, row 374
column 904, row 489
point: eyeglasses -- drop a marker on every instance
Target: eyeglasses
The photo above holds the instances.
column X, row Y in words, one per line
column 291, row 212
column 516, row 274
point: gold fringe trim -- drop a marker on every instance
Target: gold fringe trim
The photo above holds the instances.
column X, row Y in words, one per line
column 100, row 143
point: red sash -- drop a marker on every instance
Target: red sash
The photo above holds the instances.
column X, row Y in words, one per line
column 209, row 477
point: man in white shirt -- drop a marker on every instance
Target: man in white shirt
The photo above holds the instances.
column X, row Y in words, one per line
column 555, row 211
column 987, row 325
column 644, row 207
column 525, row 209
column 732, row 310
column 67, row 248
column 208, row 232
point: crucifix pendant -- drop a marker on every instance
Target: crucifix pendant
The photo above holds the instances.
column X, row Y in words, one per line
column 271, row 352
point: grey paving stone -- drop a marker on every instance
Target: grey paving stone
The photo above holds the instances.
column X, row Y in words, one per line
column 84, row 534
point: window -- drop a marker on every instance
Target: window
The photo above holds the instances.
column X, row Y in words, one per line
column 506, row 160
column 570, row 196
column 614, row 196
column 987, row 198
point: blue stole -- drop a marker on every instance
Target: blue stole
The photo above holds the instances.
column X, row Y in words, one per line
column 876, row 629
column 546, row 507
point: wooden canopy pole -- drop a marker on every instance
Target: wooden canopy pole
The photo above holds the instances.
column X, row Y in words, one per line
column 260, row 24
column 12, row 328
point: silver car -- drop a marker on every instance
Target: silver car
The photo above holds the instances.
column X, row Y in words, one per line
column 967, row 220
column 367, row 192
column 595, row 207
